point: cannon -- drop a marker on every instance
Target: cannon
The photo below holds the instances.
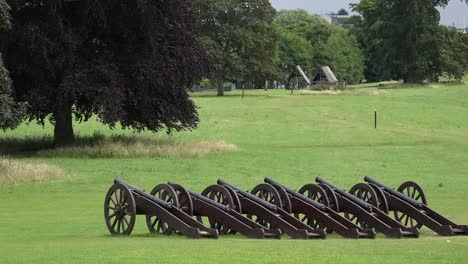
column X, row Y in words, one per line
column 409, row 206
column 220, row 211
column 267, row 214
column 124, row 202
column 309, row 211
column 365, row 213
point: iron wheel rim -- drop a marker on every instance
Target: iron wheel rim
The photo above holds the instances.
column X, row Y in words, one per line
column 222, row 196
column 119, row 210
column 414, row 191
column 155, row 225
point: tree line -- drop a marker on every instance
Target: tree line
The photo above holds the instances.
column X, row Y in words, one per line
column 402, row 39
column 131, row 62
column 390, row 40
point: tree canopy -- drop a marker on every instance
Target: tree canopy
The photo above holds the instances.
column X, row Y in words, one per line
column 342, row 12
column 126, row 62
column 240, row 38
column 294, row 50
column 10, row 112
column 401, row 39
column 309, row 41
column 454, row 52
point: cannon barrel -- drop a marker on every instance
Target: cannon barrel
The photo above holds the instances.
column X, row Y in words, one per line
column 249, row 195
column 296, row 194
column 344, row 193
column 147, row 196
column 205, row 199
column 394, row 193
column 209, row 201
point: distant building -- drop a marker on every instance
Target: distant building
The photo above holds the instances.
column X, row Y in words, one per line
column 337, row 20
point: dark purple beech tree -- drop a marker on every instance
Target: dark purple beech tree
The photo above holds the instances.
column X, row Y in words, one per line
column 128, row 62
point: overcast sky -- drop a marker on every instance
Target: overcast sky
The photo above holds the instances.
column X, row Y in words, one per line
column 456, row 12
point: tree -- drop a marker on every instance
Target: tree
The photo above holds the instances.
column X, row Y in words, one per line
column 303, row 34
column 126, row 62
column 400, row 38
column 294, row 50
column 10, row 112
column 454, row 52
column 240, row 38
column 344, row 56
column 343, row 12
column 353, row 20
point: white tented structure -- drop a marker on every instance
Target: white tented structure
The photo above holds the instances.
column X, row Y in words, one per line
column 298, row 78
column 324, row 76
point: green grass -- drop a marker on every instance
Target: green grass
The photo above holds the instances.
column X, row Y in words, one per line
column 422, row 136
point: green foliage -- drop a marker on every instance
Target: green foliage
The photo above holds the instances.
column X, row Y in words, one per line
column 294, row 50
column 5, row 17
column 342, row 12
column 345, row 57
column 299, row 21
column 240, row 38
column 454, row 52
column 309, row 41
column 400, row 40
column 10, row 112
column 353, row 20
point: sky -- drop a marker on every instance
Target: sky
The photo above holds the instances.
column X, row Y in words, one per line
column 455, row 13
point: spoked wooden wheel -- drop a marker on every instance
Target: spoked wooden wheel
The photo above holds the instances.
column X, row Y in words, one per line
column 166, row 193
column 183, row 196
column 370, row 195
column 220, row 195
column 367, row 194
column 333, row 200
column 119, row 210
column 318, row 194
column 383, row 204
column 414, row 191
column 235, row 197
column 270, row 194
column 284, row 196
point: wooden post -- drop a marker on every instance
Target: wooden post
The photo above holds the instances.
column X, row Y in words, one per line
column 375, row 118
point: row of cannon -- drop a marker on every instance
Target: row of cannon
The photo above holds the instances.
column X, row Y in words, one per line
column 272, row 209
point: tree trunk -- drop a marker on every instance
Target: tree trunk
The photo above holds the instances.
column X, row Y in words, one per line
column 220, row 88
column 63, row 131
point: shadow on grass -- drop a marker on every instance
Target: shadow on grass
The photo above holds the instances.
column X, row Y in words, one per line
column 235, row 94
column 28, row 146
column 115, row 146
column 172, row 237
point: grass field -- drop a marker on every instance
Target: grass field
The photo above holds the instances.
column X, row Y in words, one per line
column 422, row 136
